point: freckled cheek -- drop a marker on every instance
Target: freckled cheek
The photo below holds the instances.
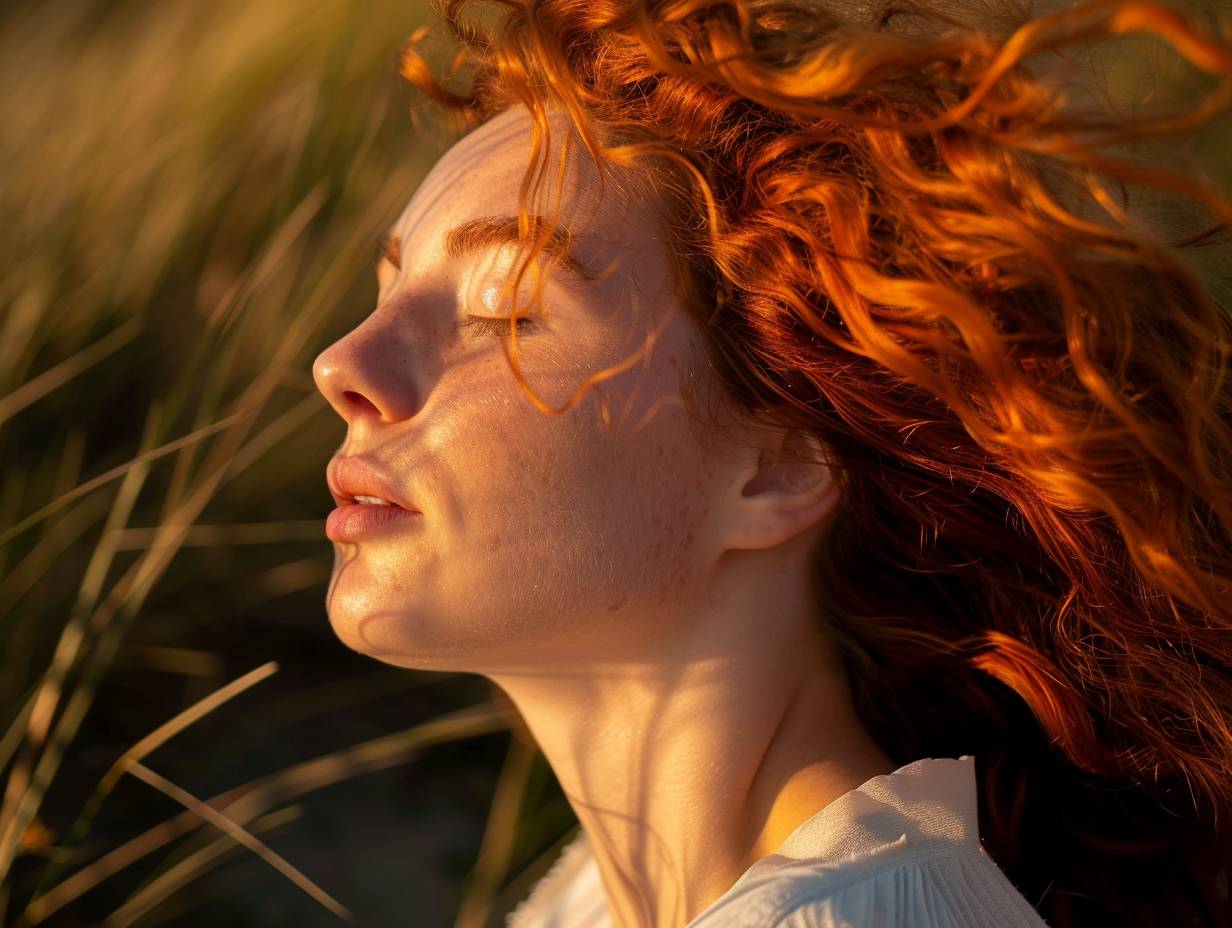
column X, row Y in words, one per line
column 529, row 473
column 674, row 488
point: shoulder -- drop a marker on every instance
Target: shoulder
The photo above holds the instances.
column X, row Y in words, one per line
column 900, row 851
column 886, row 887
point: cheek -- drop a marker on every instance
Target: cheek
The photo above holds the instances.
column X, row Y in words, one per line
column 575, row 522
column 643, row 502
column 676, row 483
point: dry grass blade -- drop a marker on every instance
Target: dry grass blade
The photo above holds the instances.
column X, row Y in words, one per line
column 12, row 737
column 24, row 790
column 499, row 835
column 220, row 821
column 192, row 867
column 242, row 533
column 44, row 555
column 286, row 579
column 33, row 390
column 159, row 736
column 125, row 600
column 182, row 720
column 119, row 471
column 162, row 735
column 275, row 432
column 252, row 799
column 276, row 252
column 186, row 662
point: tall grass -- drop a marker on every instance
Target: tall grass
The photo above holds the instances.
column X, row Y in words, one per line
column 192, row 192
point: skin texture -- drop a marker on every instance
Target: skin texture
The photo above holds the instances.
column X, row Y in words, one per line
column 640, row 590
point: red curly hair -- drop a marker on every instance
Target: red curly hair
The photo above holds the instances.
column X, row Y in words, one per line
column 903, row 241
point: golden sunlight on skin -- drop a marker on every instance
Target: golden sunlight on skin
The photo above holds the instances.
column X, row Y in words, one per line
column 644, row 601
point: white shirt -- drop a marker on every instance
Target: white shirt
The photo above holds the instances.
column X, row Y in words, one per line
column 902, row 850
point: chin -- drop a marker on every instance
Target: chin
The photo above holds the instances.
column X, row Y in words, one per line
column 371, row 634
column 392, row 637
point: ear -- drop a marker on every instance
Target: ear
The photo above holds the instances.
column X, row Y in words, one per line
column 783, row 488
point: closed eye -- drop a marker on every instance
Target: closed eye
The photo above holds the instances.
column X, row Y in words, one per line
column 496, row 325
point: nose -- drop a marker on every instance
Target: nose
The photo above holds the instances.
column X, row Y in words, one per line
column 366, row 375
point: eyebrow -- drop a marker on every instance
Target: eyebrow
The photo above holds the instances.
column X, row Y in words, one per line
column 490, row 231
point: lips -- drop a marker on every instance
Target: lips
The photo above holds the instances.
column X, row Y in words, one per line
column 367, row 502
column 356, row 480
column 354, row 522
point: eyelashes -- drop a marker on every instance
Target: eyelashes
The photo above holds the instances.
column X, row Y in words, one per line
column 496, row 325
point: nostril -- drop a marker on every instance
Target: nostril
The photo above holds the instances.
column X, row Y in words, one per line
column 360, row 403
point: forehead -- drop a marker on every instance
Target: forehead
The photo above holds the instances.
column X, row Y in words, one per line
column 481, row 176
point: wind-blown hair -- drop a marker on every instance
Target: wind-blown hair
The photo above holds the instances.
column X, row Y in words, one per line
column 903, row 241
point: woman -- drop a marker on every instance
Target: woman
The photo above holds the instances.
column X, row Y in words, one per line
column 761, row 400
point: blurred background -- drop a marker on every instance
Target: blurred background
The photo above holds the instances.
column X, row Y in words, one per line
column 192, row 193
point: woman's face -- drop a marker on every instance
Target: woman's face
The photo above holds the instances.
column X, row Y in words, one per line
column 539, row 537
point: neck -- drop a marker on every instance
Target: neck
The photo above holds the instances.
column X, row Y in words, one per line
column 687, row 767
